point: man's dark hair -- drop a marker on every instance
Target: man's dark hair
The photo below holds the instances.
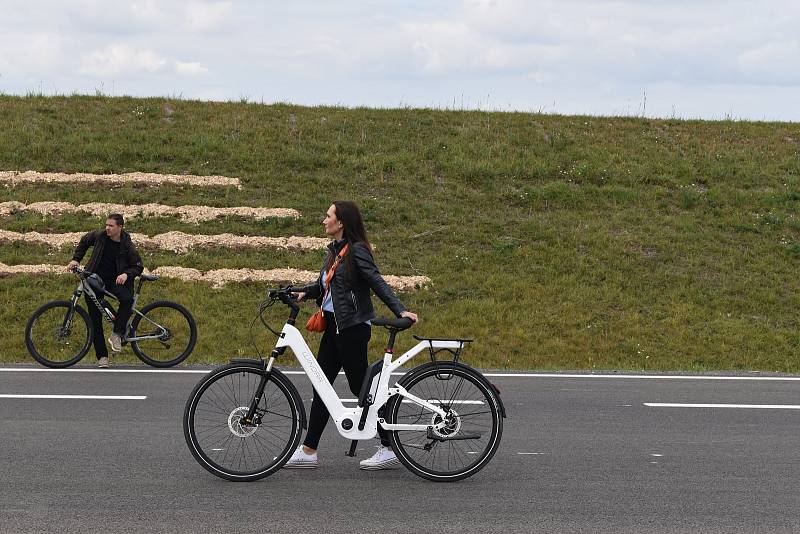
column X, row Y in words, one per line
column 118, row 218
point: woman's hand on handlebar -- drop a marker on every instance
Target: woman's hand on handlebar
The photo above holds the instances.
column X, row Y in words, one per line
column 410, row 315
column 299, row 295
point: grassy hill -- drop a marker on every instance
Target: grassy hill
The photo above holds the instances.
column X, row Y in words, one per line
column 557, row 242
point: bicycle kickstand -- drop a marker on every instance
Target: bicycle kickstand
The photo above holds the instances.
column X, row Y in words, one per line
column 352, row 451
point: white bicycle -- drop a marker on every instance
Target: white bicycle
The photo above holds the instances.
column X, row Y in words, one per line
column 244, row 420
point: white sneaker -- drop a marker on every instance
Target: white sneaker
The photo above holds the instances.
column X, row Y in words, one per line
column 383, row 459
column 116, row 342
column 301, row 460
column 102, row 363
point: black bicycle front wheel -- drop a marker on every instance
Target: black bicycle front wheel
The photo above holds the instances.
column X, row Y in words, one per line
column 58, row 334
column 473, row 422
column 169, row 330
column 230, row 448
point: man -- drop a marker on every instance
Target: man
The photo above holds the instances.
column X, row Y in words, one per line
column 117, row 262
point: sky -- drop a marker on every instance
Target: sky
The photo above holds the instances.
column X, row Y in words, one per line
column 691, row 59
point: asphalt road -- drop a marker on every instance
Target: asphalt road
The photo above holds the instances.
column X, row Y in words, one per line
column 579, row 454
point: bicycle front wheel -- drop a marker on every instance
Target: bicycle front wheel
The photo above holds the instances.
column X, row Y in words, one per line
column 58, row 334
column 167, row 334
column 474, row 422
column 230, row 448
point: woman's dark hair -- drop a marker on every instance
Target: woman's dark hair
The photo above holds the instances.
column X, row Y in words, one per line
column 350, row 216
column 120, row 220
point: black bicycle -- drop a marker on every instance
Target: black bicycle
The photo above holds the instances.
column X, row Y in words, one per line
column 59, row 333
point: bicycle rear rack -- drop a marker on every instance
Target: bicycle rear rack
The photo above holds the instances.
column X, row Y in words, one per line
column 437, row 353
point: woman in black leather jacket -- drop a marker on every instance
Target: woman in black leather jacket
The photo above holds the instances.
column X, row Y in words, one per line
column 348, row 310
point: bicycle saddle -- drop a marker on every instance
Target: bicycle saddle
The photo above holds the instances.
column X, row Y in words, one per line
column 398, row 324
column 148, row 277
column 95, row 282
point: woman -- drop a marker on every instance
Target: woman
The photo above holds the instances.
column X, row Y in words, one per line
column 348, row 309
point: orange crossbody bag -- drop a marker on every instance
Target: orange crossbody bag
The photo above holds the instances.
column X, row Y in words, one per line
column 316, row 323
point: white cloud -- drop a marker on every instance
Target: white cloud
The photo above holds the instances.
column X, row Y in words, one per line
column 190, row 69
column 122, row 59
column 778, row 62
column 208, row 16
column 33, row 54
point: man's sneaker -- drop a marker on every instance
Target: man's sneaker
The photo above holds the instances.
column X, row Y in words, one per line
column 383, row 459
column 301, row 460
column 102, row 363
column 116, row 342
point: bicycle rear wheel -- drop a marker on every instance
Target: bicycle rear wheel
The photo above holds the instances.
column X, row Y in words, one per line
column 173, row 329
column 58, row 335
column 229, row 448
column 474, row 422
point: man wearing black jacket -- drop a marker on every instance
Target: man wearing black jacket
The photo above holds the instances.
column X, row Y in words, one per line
column 115, row 259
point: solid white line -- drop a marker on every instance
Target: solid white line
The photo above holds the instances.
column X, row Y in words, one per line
column 94, row 397
column 646, row 377
column 746, row 406
column 103, row 371
column 490, row 375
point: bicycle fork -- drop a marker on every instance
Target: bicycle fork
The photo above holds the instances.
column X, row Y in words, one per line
column 253, row 418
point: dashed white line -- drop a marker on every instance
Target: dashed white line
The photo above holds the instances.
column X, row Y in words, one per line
column 743, row 406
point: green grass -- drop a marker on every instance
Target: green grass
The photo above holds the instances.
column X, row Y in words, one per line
column 557, row 242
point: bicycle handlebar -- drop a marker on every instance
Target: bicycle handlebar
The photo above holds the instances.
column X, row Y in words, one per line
column 81, row 273
column 284, row 294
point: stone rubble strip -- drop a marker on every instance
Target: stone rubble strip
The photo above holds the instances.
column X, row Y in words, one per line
column 178, row 242
column 12, row 178
column 219, row 277
column 191, row 214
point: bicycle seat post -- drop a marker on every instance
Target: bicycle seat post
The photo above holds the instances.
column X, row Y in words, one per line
column 390, row 343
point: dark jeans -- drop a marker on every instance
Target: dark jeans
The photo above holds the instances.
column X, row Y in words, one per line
column 348, row 350
column 124, row 306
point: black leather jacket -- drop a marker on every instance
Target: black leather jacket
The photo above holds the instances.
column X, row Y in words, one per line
column 351, row 293
column 128, row 260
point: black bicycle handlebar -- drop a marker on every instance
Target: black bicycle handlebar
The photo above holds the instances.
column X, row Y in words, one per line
column 399, row 323
column 284, row 294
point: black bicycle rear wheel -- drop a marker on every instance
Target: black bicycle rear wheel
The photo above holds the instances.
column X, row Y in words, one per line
column 174, row 331
column 474, row 422
column 229, row 448
column 58, row 335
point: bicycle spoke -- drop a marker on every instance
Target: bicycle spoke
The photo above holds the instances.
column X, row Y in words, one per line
column 224, row 443
column 470, row 413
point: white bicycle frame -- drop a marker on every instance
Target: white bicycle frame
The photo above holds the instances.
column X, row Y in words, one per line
column 292, row 338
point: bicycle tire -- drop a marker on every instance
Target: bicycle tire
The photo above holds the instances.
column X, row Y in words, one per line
column 476, row 418
column 155, row 352
column 41, row 349
column 211, row 422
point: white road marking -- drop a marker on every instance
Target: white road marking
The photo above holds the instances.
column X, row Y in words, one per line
column 744, row 406
column 103, row 371
column 93, row 397
column 644, row 377
column 532, row 453
column 492, row 375
column 656, row 455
